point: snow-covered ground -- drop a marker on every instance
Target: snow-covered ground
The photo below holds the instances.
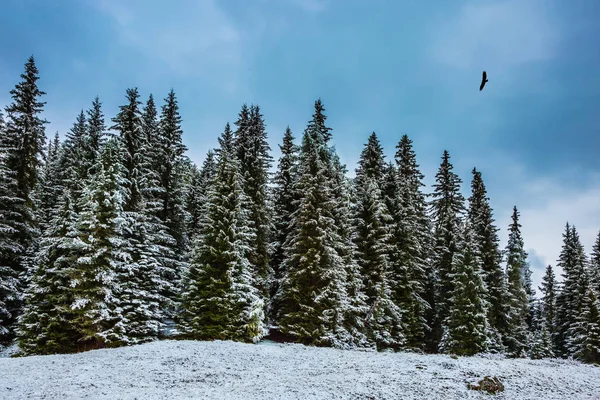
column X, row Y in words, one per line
column 227, row 370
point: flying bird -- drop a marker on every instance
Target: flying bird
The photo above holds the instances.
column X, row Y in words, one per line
column 483, row 81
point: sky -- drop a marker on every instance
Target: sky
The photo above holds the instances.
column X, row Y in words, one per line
column 385, row 66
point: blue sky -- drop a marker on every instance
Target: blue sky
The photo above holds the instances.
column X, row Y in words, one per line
column 387, row 66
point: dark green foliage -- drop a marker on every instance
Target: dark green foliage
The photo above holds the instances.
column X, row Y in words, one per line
column 411, row 241
column 594, row 266
column 585, row 337
column 197, row 194
column 372, row 248
column 548, row 307
column 285, row 200
column 488, row 244
column 22, row 143
column 219, row 299
column 73, row 165
column 447, row 207
column 465, row 327
column 569, row 300
column 517, row 301
column 254, row 162
column 51, row 184
column 312, row 293
column 171, row 169
column 96, row 131
column 46, row 325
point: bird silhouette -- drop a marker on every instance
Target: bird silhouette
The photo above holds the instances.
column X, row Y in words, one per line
column 483, row 81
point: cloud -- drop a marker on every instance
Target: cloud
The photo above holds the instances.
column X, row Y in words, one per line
column 549, row 205
column 194, row 38
column 500, row 33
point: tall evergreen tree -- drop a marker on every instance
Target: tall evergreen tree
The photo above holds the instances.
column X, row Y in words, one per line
column 447, row 208
column 171, row 170
column 486, row 237
column 46, row 325
column 96, row 132
column 284, row 204
column 518, row 305
column 594, row 266
column 51, row 186
column 220, row 300
column 372, row 248
column 412, row 245
column 465, row 327
column 585, row 337
column 548, row 290
column 569, row 300
column 22, row 146
column 73, row 163
column 253, row 155
column 197, row 194
column 312, row 293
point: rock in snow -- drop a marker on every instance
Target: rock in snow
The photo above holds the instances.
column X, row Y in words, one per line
column 228, row 370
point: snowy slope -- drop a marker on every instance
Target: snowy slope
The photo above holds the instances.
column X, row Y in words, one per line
column 227, row 370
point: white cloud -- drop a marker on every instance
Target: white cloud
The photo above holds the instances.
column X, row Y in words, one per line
column 550, row 204
column 501, row 34
column 189, row 37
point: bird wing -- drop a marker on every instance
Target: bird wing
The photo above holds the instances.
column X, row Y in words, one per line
column 484, row 76
column 482, row 85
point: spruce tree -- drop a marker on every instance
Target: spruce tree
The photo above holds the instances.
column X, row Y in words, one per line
column 220, row 300
column 465, row 327
column 51, row 187
column 103, row 255
column 548, row 290
column 372, row 248
column 411, row 245
column 284, row 205
column 447, row 208
column 73, row 155
column 594, row 266
column 96, row 132
column 518, row 305
column 170, row 157
column 569, row 300
column 197, row 194
column 312, row 293
column 46, row 325
column 585, row 337
column 254, row 162
column 22, row 146
column 480, row 216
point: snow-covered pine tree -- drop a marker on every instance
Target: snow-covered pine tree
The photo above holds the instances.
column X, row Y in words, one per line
column 465, row 327
column 594, row 266
column 22, row 146
column 94, row 140
column 10, row 249
column 150, row 244
column 480, row 215
column 412, row 243
column 516, row 336
column 585, row 339
column 197, row 194
column 51, row 186
column 569, row 300
column 254, row 162
column 312, row 293
column 371, row 237
column 171, row 159
column 220, row 300
column 104, row 254
column 284, row 204
column 548, row 308
column 153, row 191
column 446, row 210
column 73, row 164
column 47, row 323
